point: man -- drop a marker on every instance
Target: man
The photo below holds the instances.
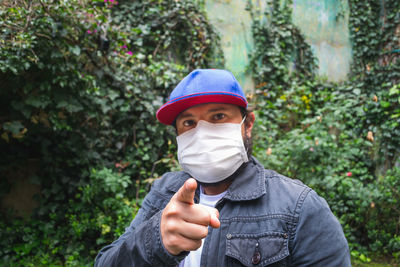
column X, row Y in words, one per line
column 224, row 209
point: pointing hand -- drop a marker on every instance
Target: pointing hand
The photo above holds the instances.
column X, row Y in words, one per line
column 183, row 223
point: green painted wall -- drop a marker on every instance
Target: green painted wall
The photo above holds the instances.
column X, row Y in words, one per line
column 325, row 26
column 233, row 23
column 323, row 22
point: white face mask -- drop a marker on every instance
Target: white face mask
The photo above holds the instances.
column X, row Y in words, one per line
column 212, row 152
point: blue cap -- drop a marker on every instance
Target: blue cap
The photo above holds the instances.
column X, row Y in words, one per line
column 199, row 87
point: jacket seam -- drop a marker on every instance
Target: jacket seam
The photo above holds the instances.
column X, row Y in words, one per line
column 297, row 211
column 147, row 247
column 286, row 217
column 301, row 199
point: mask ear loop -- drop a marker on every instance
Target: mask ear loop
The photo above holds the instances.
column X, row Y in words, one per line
column 247, row 145
column 244, row 118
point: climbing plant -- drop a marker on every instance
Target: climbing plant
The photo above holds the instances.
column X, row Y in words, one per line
column 80, row 84
column 81, row 81
column 342, row 138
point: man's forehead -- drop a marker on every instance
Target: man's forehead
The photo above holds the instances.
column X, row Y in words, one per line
column 207, row 108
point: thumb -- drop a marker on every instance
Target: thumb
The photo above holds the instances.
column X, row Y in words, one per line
column 214, row 217
column 186, row 192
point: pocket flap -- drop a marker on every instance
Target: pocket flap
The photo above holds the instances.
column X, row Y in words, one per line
column 257, row 249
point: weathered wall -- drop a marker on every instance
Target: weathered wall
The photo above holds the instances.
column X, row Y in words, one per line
column 323, row 22
column 325, row 26
column 233, row 23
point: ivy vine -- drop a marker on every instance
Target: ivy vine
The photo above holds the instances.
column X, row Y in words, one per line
column 81, row 82
column 342, row 139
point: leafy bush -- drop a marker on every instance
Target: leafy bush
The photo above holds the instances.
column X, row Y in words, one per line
column 342, row 139
column 81, row 82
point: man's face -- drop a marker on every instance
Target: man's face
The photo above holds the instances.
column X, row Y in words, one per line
column 213, row 113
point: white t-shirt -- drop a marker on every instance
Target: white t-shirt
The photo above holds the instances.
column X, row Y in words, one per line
column 194, row 257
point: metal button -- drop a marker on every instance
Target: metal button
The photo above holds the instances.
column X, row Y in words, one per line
column 285, row 236
column 256, row 258
column 228, row 236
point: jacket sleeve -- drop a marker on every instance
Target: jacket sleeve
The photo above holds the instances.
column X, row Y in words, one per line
column 319, row 238
column 141, row 244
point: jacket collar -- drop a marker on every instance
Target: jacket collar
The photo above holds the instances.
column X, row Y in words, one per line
column 249, row 182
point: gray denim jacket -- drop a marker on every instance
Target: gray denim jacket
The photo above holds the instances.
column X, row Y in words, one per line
column 266, row 220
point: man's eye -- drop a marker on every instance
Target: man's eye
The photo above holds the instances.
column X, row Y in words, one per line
column 188, row 123
column 219, row 116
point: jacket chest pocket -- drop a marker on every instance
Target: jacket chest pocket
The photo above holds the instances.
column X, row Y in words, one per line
column 265, row 249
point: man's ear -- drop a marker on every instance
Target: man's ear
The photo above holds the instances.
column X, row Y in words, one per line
column 250, row 118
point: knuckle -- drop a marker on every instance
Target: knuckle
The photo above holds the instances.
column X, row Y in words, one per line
column 197, row 244
column 171, row 226
column 174, row 241
column 172, row 209
column 204, row 232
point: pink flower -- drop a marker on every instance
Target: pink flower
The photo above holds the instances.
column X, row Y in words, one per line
column 311, row 149
column 349, row 174
column 129, row 53
column 89, row 31
column 105, row 1
column 124, row 47
column 95, row 31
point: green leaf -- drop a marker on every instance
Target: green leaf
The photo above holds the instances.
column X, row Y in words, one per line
column 76, row 50
column 37, row 101
column 394, row 90
column 14, row 127
column 385, row 104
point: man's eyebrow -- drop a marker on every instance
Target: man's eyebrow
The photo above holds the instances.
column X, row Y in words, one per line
column 216, row 109
column 185, row 115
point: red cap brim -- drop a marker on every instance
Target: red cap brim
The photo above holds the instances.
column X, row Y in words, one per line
column 168, row 112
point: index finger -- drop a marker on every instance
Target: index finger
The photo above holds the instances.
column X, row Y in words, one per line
column 186, row 192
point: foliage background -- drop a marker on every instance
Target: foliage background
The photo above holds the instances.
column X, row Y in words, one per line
column 342, row 139
column 82, row 80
